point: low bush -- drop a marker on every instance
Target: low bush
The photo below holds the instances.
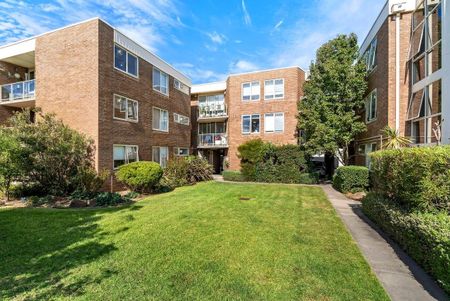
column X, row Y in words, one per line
column 251, row 153
column 104, row 199
column 309, row 178
column 186, row 171
column 351, row 179
column 140, row 176
column 199, row 170
column 231, row 175
column 416, row 178
column 424, row 236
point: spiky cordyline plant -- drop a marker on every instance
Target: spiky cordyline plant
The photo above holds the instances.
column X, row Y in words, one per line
column 393, row 139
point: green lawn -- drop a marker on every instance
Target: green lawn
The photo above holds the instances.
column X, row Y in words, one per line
column 196, row 243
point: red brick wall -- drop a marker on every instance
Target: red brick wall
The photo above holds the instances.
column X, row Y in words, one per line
column 293, row 81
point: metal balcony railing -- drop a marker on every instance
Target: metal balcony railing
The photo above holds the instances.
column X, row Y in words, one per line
column 18, row 91
column 214, row 110
column 213, row 140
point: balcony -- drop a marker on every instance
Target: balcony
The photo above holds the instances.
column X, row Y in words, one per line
column 20, row 94
column 212, row 140
column 213, row 112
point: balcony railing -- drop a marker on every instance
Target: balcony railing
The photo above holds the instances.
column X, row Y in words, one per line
column 213, row 140
column 214, row 110
column 18, row 91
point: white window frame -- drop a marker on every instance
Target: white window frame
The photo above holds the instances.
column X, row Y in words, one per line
column 176, row 151
column 126, row 153
column 274, row 116
column 370, row 55
column 274, row 92
column 176, row 118
column 250, row 128
column 167, row 81
column 126, row 115
column 127, row 52
column 168, row 119
column 256, row 82
column 160, row 161
column 372, row 96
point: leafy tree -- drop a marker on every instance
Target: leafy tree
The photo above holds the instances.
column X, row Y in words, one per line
column 333, row 96
column 11, row 167
column 393, row 139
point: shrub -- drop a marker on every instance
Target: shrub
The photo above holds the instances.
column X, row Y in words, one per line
column 140, row 176
column 416, row 178
column 199, row 170
column 351, row 179
column 88, row 180
column 186, row 171
column 231, row 175
column 104, row 199
column 251, row 153
column 309, row 178
column 424, row 236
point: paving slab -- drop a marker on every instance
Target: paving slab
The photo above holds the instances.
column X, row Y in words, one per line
column 401, row 277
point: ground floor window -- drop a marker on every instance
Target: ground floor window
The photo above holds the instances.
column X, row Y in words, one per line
column 181, row 151
column 124, row 154
column 365, row 150
column 160, row 154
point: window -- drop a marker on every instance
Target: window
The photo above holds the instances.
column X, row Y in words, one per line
column 160, row 81
column 125, row 108
column 160, row 154
column 125, row 61
column 274, row 122
column 371, row 106
column 160, row 120
column 181, row 151
column 250, row 91
column 370, row 56
column 250, row 124
column 180, row 119
column 124, row 154
column 368, row 148
column 274, row 89
column 180, row 86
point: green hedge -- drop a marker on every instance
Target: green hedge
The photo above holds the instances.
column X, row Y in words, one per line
column 416, row 178
column 351, row 179
column 231, row 175
column 424, row 236
column 140, row 176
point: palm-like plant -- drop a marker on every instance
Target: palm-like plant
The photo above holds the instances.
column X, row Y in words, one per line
column 393, row 140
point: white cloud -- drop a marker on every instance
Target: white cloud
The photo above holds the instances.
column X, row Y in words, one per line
column 198, row 74
column 247, row 18
column 217, row 38
column 278, row 24
column 48, row 7
column 241, row 66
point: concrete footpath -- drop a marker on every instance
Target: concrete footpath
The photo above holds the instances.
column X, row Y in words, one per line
column 400, row 276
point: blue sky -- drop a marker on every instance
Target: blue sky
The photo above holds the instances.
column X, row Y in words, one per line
column 206, row 39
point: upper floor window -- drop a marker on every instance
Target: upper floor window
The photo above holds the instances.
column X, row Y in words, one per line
column 250, row 91
column 125, row 108
column 250, row 123
column 160, row 154
column 371, row 106
column 125, row 61
column 124, row 154
column 274, row 122
column 160, row 120
column 274, row 89
column 181, row 151
column 180, row 86
column 370, row 56
column 181, row 119
column 160, row 81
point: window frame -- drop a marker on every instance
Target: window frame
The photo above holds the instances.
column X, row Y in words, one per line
column 371, row 49
column 127, row 52
column 177, row 120
column 251, row 93
column 368, row 106
column 125, row 146
column 176, row 151
column 126, row 118
column 168, row 119
column 167, row 81
column 274, row 116
column 153, row 159
column 274, row 92
column 250, row 127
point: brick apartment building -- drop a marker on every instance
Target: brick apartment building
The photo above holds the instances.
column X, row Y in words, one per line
column 409, row 74
column 260, row 104
column 131, row 103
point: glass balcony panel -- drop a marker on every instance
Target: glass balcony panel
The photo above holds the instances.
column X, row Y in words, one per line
column 18, row 91
column 213, row 140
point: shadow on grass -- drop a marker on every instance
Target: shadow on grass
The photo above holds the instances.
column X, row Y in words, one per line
column 40, row 248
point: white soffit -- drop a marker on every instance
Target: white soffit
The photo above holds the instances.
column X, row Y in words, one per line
column 122, row 40
column 209, row 87
column 19, row 53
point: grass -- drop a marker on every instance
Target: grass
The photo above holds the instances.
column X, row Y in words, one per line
column 212, row 241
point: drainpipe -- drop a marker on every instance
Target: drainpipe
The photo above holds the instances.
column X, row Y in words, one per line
column 397, row 9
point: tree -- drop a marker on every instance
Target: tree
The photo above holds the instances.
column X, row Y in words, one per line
column 328, row 114
column 393, row 140
column 10, row 161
